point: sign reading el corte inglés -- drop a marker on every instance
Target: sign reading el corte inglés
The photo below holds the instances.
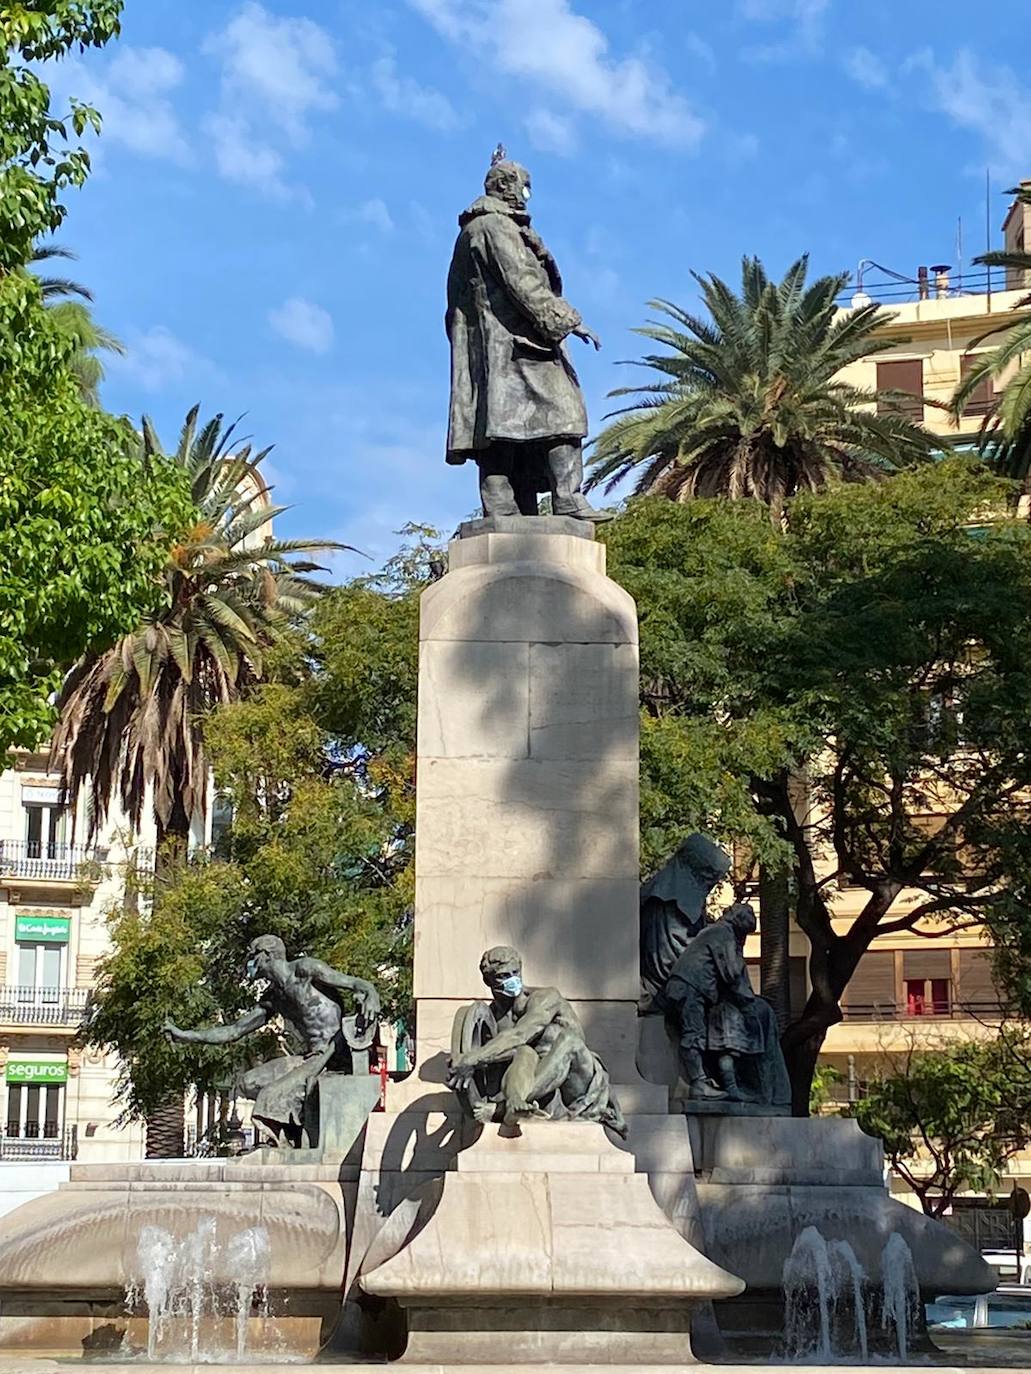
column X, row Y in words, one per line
column 54, row 930
column 36, row 1070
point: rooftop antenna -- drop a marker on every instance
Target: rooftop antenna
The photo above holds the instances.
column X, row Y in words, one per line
column 988, row 227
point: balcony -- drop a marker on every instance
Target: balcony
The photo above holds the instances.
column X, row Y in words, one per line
column 990, row 1009
column 24, row 1006
column 36, row 861
column 63, row 1144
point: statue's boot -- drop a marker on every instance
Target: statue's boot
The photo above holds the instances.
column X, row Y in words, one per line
column 701, row 1088
column 566, row 473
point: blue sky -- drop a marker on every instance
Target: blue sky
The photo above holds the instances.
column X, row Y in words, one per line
column 276, row 188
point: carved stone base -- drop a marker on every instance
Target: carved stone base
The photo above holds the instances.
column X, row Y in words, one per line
column 544, row 1246
column 527, row 524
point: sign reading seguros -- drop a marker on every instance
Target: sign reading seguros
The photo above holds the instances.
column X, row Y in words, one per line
column 36, row 1070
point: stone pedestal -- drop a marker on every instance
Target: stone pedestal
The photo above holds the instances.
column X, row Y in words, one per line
column 527, row 829
column 543, row 1247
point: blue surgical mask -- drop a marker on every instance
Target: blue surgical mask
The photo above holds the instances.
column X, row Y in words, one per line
column 513, row 986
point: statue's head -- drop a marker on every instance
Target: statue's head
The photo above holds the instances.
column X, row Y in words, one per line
column 507, row 181
column 705, row 858
column 502, row 970
column 741, row 919
column 261, row 953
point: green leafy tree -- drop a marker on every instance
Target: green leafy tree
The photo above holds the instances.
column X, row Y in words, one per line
column 81, row 514
column 69, row 303
column 750, row 403
column 875, row 650
column 85, row 519
column 36, row 162
column 1005, row 437
column 131, row 718
column 952, row 1118
column 317, row 765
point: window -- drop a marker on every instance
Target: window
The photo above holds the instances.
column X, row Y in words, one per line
column 44, row 823
column 927, row 979
column 905, row 376
column 983, row 397
column 34, row 1111
column 870, row 994
column 39, row 973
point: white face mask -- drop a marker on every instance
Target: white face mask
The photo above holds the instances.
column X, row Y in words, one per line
column 512, row 986
column 526, row 193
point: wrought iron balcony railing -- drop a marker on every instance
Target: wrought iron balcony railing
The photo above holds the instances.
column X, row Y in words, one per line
column 41, row 860
column 62, row 1144
column 964, row 1010
column 24, row 1006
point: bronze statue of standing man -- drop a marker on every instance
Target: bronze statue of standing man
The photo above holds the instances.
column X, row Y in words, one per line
column 516, row 406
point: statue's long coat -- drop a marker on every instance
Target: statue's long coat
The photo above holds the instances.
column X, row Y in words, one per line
column 506, row 319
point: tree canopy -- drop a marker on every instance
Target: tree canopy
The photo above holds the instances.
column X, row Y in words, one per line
column 317, row 765
column 951, row 1117
column 750, row 401
column 876, row 650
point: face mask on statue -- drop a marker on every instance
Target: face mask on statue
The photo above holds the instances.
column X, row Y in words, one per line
column 526, row 194
column 511, row 986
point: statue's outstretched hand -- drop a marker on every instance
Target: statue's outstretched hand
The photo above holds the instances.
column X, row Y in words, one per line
column 588, row 336
column 368, row 1005
column 171, row 1031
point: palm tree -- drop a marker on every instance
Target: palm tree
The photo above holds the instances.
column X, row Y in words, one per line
column 1005, row 437
column 69, row 304
column 751, row 404
column 131, row 719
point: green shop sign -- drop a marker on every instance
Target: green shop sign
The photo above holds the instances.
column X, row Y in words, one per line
column 54, row 930
column 36, row 1071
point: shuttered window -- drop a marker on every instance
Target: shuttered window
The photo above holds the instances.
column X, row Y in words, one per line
column 908, row 376
column 976, row 981
column 871, row 989
column 927, row 963
column 981, row 399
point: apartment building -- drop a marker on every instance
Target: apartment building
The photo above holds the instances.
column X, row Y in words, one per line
column 914, row 991
column 55, row 891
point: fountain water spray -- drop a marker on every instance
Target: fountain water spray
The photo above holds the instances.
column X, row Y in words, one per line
column 824, row 1293
column 900, row 1305
column 176, row 1279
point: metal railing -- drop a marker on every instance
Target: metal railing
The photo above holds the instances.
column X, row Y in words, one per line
column 62, row 1144
column 889, row 291
column 25, row 1006
column 39, row 859
column 989, row 1009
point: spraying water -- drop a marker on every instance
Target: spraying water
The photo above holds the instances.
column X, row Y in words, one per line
column 824, row 1293
column 176, row 1281
column 900, row 1305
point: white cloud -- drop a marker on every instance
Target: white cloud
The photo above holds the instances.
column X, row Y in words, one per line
column 548, row 45
column 304, row 324
column 133, row 94
column 401, row 95
column 984, row 98
column 240, row 157
column 156, row 358
column 550, row 132
column 274, row 79
column 279, row 66
column 866, row 68
column 805, row 28
column 375, row 212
